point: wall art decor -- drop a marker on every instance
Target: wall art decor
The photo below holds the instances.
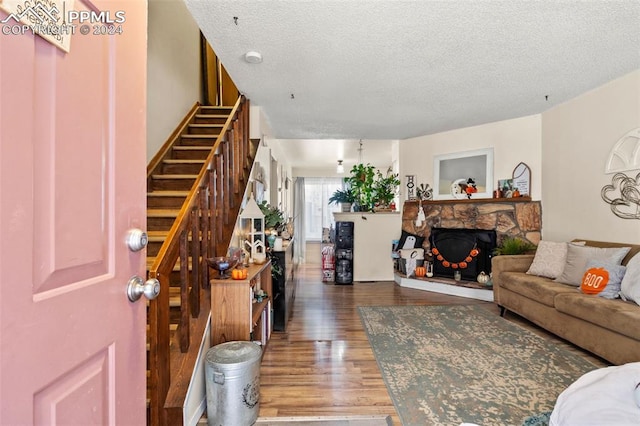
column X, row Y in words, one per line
column 623, row 195
column 451, row 168
column 424, row 192
column 411, row 187
column 522, row 179
column 625, row 154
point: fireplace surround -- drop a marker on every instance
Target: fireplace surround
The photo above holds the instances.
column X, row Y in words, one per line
column 509, row 217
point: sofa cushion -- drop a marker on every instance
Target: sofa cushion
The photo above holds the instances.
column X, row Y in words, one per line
column 549, row 259
column 615, row 315
column 540, row 289
column 577, row 258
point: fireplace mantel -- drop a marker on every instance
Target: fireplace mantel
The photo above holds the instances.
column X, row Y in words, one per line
column 474, row 201
column 510, row 217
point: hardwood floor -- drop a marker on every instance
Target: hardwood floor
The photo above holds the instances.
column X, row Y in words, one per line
column 323, row 364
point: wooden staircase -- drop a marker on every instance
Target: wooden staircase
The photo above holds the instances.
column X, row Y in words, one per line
column 195, row 185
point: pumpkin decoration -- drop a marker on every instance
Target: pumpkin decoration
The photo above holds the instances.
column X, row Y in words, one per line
column 420, row 271
column 455, row 265
column 239, row 274
column 483, row 278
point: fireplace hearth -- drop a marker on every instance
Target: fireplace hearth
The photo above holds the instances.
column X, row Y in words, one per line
column 466, row 250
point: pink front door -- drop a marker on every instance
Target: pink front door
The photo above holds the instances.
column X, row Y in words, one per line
column 72, row 182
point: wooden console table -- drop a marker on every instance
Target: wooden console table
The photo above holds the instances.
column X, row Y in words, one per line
column 235, row 314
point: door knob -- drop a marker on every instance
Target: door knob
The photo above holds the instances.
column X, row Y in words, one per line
column 137, row 239
column 136, row 288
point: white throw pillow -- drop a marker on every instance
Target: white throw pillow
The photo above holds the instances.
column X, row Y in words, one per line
column 577, row 258
column 630, row 288
column 549, row 259
column 605, row 396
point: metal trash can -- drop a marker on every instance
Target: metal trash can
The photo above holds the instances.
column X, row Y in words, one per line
column 232, row 372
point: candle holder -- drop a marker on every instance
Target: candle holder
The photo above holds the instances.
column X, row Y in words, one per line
column 429, row 269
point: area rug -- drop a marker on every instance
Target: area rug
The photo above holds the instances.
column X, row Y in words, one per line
column 445, row 365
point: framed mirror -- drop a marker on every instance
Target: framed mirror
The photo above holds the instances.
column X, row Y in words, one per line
column 449, row 170
column 522, row 179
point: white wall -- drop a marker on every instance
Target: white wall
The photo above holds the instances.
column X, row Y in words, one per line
column 513, row 141
column 577, row 138
column 173, row 71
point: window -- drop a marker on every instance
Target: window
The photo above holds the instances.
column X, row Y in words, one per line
column 318, row 212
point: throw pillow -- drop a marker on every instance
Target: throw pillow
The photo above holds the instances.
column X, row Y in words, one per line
column 602, row 278
column 630, row 288
column 549, row 259
column 409, row 241
column 578, row 256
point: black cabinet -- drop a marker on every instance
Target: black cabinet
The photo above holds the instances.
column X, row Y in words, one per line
column 284, row 286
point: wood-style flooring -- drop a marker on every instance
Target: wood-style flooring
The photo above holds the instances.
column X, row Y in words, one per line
column 322, row 365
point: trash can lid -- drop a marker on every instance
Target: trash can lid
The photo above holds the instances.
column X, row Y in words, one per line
column 233, row 353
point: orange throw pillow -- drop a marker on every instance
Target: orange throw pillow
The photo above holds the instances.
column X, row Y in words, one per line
column 594, row 280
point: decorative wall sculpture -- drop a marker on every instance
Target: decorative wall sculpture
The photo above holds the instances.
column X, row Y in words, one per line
column 625, row 154
column 623, row 195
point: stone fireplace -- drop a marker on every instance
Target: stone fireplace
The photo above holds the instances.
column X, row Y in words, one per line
column 509, row 217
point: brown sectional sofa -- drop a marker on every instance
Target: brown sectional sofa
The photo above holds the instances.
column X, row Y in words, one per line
column 607, row 328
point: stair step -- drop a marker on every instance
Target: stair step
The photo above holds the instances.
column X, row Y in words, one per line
column 211, row 118
column 155, row 241
column 161, row 219
column 173, row 182
column 205, row 128
column 214, row 109
column 181, row 166
column 198, row 140
column 166, row 199
column 186, row 152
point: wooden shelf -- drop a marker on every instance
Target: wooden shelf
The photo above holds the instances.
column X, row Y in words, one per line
column 258, row 307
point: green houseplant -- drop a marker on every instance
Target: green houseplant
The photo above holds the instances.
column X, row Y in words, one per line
column 361, row 183
column 385, row 188
column 345, row 197
column 513, row 245
column 273, row 217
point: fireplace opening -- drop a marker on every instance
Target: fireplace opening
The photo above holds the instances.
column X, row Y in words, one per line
column 466, row 250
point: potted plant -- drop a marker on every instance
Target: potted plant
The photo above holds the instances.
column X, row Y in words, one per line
column 273, row 217
column 344, row 197
column 385, row 188
column 361, row 183
column 513, row 245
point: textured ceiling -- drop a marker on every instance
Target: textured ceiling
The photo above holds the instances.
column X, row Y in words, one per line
column 383, row 69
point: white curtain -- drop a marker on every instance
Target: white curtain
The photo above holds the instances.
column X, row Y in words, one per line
column 318, row 212
column 299, row 226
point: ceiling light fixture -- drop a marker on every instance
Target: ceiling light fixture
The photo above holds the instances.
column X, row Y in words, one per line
column 340, row 168
column 253, row 57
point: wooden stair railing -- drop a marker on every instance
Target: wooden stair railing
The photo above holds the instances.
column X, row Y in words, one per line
column 202, row 228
